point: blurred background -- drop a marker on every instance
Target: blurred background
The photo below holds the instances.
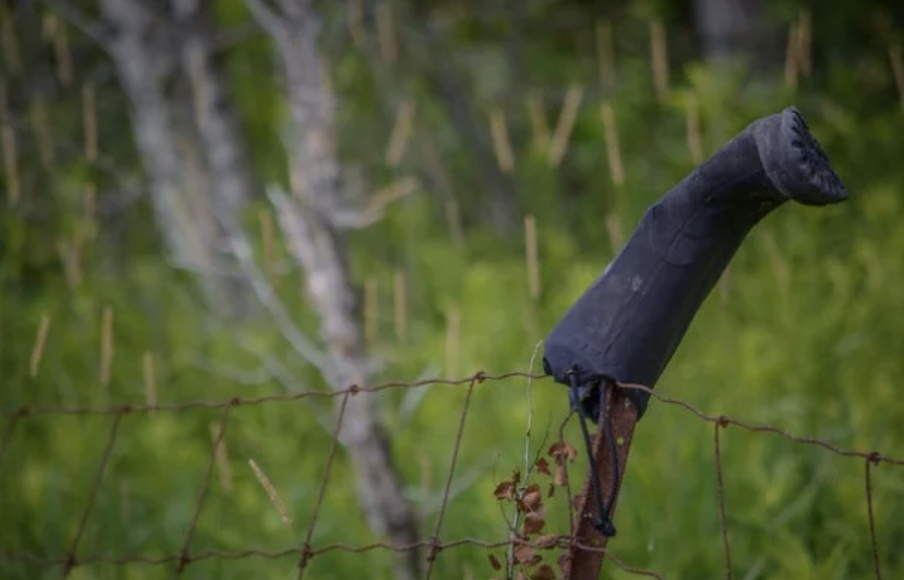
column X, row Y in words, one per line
column 248, row 197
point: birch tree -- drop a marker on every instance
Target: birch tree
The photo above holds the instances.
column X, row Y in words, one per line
column 308, row 217
column 197, row 171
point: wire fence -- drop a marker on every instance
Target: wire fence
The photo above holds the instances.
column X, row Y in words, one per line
column 523, row 546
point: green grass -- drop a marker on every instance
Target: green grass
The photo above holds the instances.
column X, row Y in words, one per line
column 806, row 338
column 807, row 358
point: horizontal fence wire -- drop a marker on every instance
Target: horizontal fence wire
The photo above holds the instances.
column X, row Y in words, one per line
column 303, row 554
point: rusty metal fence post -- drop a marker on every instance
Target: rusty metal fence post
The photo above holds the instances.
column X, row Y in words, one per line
column 587, row 547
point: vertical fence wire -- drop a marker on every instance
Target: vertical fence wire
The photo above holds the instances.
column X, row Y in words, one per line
column 70, row 558
column 185, row 554
column 306, row 550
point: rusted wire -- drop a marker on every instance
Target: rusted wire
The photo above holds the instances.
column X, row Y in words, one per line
column 870, row 461
column 185, row 554
column 435, row 545
column 26, row 411
column 306, row 552
column 621, row 564
column 7, row 436
column 306, row 547
column 720, row 486
column 70, row 559
column 759, row 428
column 278, row 554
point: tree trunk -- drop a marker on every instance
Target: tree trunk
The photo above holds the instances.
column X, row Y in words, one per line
column 730, row 30
column 446, row 81
column 230, row 177
column 319, row 246
column 144, row 53
column 218, row 125
column 502, row 202
column 142, row 61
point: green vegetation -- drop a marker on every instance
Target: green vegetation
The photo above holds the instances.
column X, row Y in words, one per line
column 803, row 334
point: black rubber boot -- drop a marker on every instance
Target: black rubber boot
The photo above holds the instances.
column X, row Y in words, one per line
column 627, row 325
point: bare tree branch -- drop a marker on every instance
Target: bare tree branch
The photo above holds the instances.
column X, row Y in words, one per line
column 230, row 37
column 281, row 374
column 290, row 383
column 270, row 300
column 317, row 244
column 155, row 9
column 280, row 268
column 271, row 369
column 94, row 30
column 218, row 132
column 234, row 373
column 143, row 59
column 267, row 18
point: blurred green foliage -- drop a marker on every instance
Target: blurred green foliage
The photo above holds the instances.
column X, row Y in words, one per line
column 803, row 334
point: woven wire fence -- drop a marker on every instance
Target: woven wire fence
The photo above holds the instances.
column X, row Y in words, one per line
column 523, row 546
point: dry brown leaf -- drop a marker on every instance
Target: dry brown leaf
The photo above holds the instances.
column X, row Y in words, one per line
column 561, row 449
column 505, row 490
column 533, row 523
column 570, row 452
column 494, row 562
column 523, row 554
column 543, row 466
column 544, row 572
column 561, row 474
column 532, row 498
column 547, row 541
column 552, row 490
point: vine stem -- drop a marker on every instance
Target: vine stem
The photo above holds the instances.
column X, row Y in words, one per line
column 516, row 519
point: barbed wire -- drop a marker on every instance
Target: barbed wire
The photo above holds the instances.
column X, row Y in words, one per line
column 306, row 552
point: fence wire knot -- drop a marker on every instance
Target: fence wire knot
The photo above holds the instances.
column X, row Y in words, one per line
column 435, row 547
column 306, row 554
column 69, row 563
column 184, row 560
